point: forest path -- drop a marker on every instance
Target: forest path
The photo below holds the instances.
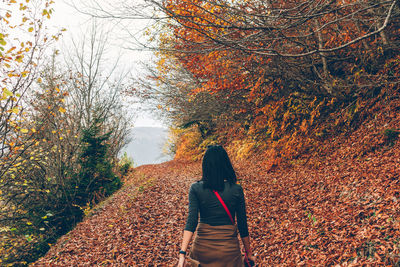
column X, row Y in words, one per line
column 332, row 212
column 140, row 225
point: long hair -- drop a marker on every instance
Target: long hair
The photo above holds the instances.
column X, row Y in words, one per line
column 216, row 168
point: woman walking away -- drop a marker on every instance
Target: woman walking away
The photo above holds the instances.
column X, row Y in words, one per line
column 218, row 199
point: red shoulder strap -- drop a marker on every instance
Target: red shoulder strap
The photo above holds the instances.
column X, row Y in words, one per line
column 225, row 207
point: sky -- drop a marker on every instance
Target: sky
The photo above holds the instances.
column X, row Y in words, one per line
column 65, row 16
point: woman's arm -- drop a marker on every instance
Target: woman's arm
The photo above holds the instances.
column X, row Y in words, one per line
column 191, row 224
column 242, row 225
column 246, row 244
column 187, row 236
column 241, row 214
column 247, row 248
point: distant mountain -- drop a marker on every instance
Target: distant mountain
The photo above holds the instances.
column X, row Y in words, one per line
column 147, row 145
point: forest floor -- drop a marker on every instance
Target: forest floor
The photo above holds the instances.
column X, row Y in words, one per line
column 338, row 207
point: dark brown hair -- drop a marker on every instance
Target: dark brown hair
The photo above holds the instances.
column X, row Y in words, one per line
column 217, row 167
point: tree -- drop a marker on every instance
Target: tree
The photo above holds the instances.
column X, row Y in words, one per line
column 19, row 58
column 276, row 70
column 95, row 88
column 23, row 41
column 95, row 179
column 48, row 135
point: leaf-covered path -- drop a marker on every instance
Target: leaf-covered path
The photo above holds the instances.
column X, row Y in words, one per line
column 140, row 225
column 337, row 210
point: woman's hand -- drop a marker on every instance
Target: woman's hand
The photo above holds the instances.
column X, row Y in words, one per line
column 252, row 258
column 181, row 260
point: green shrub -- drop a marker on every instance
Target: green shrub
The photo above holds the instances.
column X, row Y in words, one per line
column 125, row 164
column 95, row 179
column 51, row 208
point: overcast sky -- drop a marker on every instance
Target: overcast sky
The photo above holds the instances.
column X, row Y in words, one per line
column 76, row 23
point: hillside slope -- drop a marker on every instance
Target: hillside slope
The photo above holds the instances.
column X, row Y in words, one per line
column 339, row 205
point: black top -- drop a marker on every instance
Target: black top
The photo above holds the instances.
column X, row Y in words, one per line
column 212, row 212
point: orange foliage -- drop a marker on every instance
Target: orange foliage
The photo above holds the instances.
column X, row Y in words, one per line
column 188, row 148
column 261, row 54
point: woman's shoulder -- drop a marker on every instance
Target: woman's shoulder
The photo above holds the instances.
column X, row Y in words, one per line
column 237, row 186
column 196, row 185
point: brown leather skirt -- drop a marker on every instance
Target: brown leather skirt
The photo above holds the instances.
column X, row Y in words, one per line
column 216, row 246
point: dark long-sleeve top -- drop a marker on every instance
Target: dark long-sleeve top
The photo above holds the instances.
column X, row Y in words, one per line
column 204, row 201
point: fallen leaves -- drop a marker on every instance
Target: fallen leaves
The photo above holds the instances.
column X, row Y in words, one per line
column 140, row 225
column 343, row 211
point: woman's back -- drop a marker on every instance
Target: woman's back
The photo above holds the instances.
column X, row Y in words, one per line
column 204, row 200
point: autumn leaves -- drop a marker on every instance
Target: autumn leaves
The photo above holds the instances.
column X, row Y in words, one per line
column 270, row 70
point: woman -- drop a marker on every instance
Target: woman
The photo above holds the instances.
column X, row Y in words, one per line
column 216, row 243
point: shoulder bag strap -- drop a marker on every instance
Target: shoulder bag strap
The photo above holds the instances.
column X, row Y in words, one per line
column 225, row 207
